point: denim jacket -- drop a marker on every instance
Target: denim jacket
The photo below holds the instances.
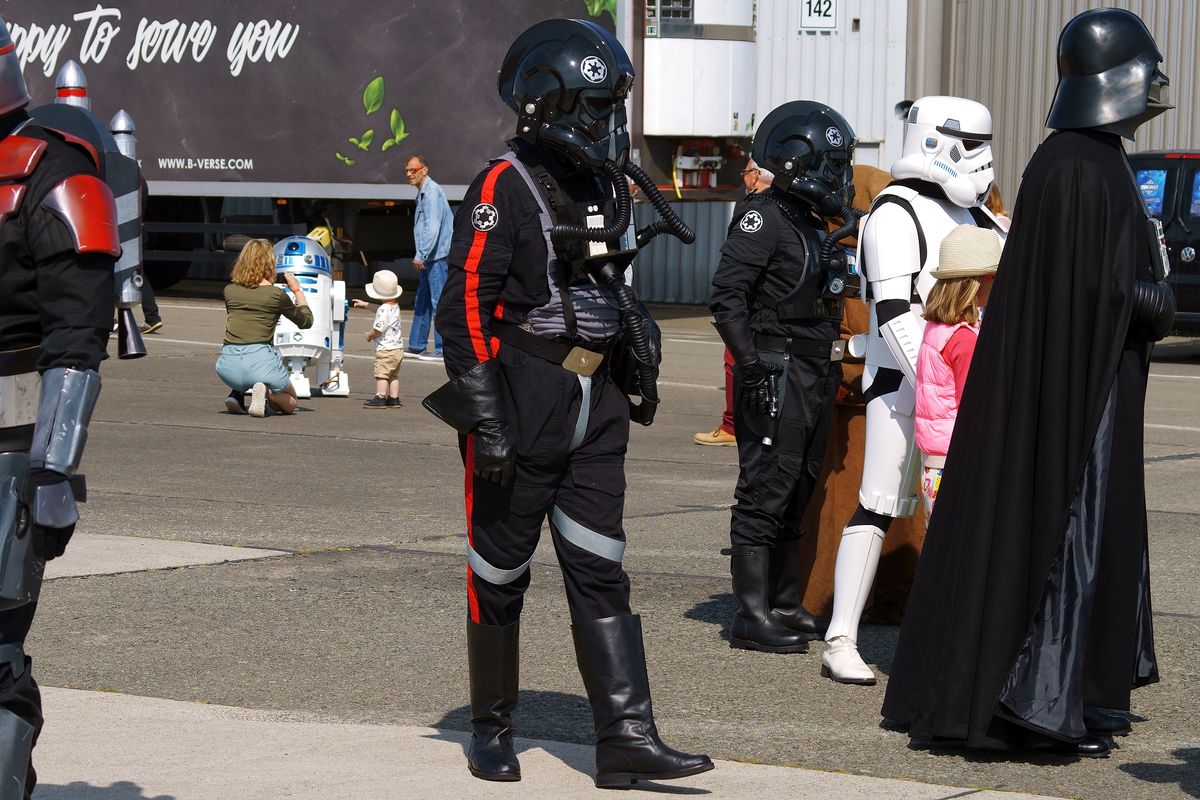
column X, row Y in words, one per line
column 433, row 224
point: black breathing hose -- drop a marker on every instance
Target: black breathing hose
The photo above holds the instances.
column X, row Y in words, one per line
column 852, row 216
column 638, row 338
column 564, row 232
column 670, row 222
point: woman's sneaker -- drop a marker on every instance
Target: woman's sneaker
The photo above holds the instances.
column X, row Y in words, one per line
column 258, row 400
column 378, row 401
column 235, row 403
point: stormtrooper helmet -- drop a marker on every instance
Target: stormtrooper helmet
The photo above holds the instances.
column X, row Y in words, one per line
column 947, row 140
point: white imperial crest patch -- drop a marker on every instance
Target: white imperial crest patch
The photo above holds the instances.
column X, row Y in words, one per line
column 751, row 222
column 833, row 136
column 484, row 217
column 594, row 69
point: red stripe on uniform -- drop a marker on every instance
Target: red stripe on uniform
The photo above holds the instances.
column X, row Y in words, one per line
column 474, row 319
column 469, row 494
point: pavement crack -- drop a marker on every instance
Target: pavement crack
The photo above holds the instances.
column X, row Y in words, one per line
column 1176, row 457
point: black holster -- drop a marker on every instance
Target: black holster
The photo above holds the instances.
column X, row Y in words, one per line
column 469, row 399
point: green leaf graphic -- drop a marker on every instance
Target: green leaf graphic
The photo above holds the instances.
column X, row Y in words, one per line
column 397, row 123
column 365, row 142
column 349, row 162
column 373, row 95
column 597, row 7
column 387, row 143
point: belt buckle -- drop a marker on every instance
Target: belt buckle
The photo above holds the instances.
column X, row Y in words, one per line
column 582, row 362
column 837, row 350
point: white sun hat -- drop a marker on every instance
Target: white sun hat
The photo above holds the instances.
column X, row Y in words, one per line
column 384, row 286
column 968, row 252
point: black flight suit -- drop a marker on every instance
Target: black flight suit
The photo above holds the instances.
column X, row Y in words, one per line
column 770, row 272
column 497, row 276
column 56, row 310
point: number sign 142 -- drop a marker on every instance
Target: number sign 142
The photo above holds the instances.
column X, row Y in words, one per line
column 818, row 15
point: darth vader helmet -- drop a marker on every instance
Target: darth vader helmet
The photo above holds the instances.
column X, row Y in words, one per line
column 1108, row 74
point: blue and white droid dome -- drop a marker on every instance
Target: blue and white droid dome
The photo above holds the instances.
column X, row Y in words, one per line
column 301, row 255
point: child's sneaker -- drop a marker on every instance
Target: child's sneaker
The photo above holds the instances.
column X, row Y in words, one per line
column 378, row 401
column 394, row 402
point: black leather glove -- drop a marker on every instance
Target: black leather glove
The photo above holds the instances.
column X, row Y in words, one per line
column 758, row 380
column 48, row 542
column 1154, row 309
column 494, row 458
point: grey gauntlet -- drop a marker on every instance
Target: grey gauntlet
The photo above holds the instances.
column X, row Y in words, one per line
column 52, row 488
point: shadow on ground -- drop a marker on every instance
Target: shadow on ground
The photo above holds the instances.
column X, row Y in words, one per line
column 1186, row 774
column 537, row 717
column 78, row 790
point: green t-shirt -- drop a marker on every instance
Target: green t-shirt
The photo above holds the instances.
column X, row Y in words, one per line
column 254, row 312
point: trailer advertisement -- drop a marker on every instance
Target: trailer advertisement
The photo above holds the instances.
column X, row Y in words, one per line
column 319, row 95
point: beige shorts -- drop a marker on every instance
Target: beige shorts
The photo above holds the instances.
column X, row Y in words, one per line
column 387, row 364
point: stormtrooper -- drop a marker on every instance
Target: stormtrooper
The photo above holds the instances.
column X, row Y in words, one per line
column 940, row 181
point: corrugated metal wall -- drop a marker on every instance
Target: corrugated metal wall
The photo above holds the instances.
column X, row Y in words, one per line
column 860, row 72
column 668, row 271
column 1003, row 54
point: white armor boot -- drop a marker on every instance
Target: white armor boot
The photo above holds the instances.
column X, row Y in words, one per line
column 857, row 558
column 942, row 180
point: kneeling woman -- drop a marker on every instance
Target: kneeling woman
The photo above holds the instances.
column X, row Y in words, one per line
column 248, row 362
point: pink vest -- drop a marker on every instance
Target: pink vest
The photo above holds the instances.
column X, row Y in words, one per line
column 936, row 407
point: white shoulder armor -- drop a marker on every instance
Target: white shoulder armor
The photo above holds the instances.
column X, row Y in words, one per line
column 890, row 241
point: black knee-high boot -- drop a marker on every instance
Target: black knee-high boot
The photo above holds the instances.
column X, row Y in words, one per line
column 612, row 662
column 754, row 626
column 785, row 593
column 493, row 657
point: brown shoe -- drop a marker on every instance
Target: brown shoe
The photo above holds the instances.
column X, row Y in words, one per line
column 717, row 438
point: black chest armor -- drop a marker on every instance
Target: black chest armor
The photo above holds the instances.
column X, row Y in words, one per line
column 801, row 297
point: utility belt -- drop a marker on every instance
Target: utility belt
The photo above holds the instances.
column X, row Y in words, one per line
column 573, row 354
column 20, row 391
column 804, row 348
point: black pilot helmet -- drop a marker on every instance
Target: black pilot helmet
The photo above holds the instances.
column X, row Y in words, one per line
column 810, row 148
column 567, row 79
column 13, row 92
column 1108, row 75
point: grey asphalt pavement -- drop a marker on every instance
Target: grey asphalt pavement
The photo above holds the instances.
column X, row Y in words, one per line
column 360, row 620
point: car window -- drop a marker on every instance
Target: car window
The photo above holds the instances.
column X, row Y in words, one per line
column 1153, row 186
column 1193, row 205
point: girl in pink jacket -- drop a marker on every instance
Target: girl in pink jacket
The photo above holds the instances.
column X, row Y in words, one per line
column 967, row 262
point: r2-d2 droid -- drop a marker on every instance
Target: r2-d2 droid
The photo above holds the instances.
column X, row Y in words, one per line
column 322, row 344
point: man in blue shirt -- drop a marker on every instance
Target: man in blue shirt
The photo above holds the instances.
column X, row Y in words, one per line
column 432, row 227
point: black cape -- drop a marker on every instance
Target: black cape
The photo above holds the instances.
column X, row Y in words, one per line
column 1032, row 593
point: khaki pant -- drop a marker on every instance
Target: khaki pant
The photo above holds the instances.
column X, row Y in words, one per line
column 387, row 364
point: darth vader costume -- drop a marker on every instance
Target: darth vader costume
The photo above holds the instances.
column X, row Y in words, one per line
column 1030, row 612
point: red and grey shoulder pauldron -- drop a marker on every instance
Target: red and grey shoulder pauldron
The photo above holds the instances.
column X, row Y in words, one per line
column 83, row 203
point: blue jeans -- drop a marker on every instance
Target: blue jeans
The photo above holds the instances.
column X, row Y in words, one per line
column 429, row 292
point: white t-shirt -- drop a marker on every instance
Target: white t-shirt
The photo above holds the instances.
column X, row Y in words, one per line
column 387, row 322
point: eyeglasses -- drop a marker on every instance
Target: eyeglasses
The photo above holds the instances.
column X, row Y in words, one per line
column 413, row 171
column 748, row 170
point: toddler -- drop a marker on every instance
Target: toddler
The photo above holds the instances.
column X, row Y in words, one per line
column 388, row 336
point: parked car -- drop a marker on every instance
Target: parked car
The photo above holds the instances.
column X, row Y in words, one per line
column 1170, row 185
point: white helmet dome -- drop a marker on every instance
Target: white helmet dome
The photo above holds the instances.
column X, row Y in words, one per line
column 947, row 140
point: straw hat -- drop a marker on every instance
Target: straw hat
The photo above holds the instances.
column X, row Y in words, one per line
column 384, row 286
column 968, row 252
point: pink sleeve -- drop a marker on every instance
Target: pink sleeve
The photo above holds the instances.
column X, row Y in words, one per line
column 958, row 352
